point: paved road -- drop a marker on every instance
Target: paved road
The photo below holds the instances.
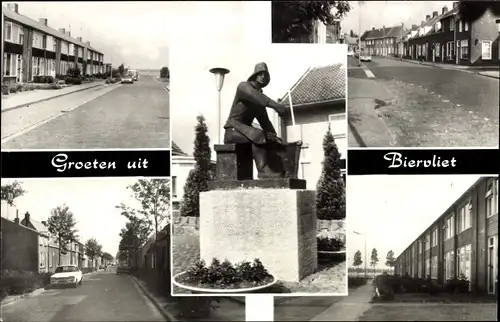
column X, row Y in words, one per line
column 424, row 105
column 113, row 116
column 103, row 296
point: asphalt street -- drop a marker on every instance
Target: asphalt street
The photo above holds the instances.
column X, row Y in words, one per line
column 111, row 116
column 103, row 296
column 422, row 105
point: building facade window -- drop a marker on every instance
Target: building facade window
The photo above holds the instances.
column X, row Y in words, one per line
column 36, row 66
column 434, row 267
column 7, row 31
column 10, row 64
column 491, row 197
column 42, row 260
column 460, row 24
column 419, row 247
column 71, row 50
column 464, row 49
column 464, row 218
column 434, row 239
column 449, row 50
column 37, row 40
column 452, row 24
column 51, row 259
column 464, row 261
column 449, row 265
column 427, row 241
column 486, row 49
column 466, row 26
column 437, row 49
column 449, row 228
column 419, row 269
column 427, row 267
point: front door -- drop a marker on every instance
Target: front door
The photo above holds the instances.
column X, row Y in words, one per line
column 492, row 264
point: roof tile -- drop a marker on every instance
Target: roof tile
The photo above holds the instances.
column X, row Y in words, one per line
column 319, row 84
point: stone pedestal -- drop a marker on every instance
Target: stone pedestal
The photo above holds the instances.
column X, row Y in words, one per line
column 275, row 225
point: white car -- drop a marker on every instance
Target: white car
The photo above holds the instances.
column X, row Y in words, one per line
column 68, row 275
column 365, row 58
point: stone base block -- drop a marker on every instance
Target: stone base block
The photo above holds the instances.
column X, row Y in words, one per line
column 261, row 183
column 277, row 226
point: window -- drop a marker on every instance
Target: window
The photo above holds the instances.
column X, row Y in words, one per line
column 42, row 260
column 44, row 42
column 51, row 259
column 427, row 241
column 492, row 197
column 464, row 261
column 10, row 64
column 419, row 269
column 449, row 265
column 486, row 49
column 42, row 67
column 8, row 31
column 434, row 267
column 449, row 228
column 36, row 66
column 54, row 43
column 466, row 26
column 174, row 187
column 420, row 247
column 427, row 267
column 464, row 217
column 21, row 36
column 464, row 49
column 71, row 50
column 434, row 238
column 460, row 24
column 437, row 49
column 449, row 50
column 452, row 24
column 37, row 40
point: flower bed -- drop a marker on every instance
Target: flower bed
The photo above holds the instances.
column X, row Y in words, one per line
column 225, row 276
column 332, row 241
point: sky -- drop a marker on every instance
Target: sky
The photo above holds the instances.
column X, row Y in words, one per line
column 92, row 201
column 389, row 13
column 139, row 34
column 392, row 211
column 193, row 88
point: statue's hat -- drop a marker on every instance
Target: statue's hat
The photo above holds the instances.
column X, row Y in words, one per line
column 261, row 68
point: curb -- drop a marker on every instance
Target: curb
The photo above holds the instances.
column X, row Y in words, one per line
column 437, row 66
column 167, row 316
column 22, row 296
column 356, row 135
column 49, row 98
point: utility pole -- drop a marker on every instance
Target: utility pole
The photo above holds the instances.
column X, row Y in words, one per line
column 402, row 40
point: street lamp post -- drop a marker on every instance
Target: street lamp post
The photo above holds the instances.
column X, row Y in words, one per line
column 219, row 73
column 364, row 237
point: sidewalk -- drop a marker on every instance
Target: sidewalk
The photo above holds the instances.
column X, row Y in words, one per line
column 14, row 298
column 21, row 99
column 480, row 70
column 366, row 128
column 350, row 307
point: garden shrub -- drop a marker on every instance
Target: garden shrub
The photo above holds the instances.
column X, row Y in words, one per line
column 383, row 288
column 16, row 282
column 329, row 244
column 356, row 281
column 73, row 81
column 195, row 307
column 458, row 284
column 5, row 89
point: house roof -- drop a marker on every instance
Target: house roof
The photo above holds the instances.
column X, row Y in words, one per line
column 46, row 29
column 449, row 13
column 176, row 150
column 38, row 226
column 318, row 85
column 387, row 32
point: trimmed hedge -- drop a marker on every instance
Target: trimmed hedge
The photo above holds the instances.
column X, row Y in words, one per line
column 356, row 281
column 17, row 282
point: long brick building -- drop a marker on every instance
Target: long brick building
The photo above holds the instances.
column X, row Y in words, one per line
column 462, row 241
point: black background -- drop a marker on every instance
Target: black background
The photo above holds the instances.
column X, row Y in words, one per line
column 38, row 164
column 468, row 161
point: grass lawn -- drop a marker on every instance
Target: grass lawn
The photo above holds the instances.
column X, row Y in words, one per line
column 331, row 277
column 431, row 312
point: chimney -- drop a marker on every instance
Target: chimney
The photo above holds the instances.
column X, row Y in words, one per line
column 87, row 43
column 80, row 39
column 43, row 21
column 445, row 10
column 68, row 33
column 427, row 17
column 27, row 218
column 455, row 3
column 434, row 14
column 14, row 7
column 16, row 220
column 373, row 28
column 62, row 30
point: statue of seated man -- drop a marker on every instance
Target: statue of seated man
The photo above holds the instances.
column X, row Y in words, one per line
column 268, row 150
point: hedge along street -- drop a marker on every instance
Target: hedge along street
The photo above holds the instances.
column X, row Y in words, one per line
column 22, row 99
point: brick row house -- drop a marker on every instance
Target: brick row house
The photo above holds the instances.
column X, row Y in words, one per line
column 446, row 38
column 382, row 42
column 28, row 245
column 462, row 241
column 33, row 48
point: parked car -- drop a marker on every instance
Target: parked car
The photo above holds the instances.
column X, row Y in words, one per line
column 127, row 79
column 67, row 275
column 367, row 58
column 122, row 269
